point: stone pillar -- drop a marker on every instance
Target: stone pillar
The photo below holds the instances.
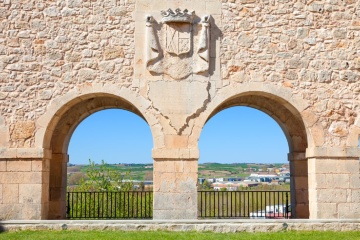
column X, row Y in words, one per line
column 299, row 185
column 334, row 184
column 175, row 185
column 58, row 177
column 23, row 189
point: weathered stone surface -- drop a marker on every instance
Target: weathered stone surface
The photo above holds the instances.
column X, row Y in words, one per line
column 193, row 95
column 23, row 130
column 60, row 61
column 113, row 52
column 229, row 226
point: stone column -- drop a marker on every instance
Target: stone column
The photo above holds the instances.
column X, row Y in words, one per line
column 58, row 177
column 175, row 184
column 23, row 187
column 299, row 185
column 334, row 184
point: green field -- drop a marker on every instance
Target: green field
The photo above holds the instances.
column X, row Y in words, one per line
column 90, row 235
column 137, row 171
column 206, row 170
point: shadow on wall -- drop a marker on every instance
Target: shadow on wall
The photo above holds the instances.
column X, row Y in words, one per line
column 2, row 229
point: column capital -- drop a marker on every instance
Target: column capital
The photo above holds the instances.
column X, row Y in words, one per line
column 24, row 153
column 296, row 156
column 333, row 152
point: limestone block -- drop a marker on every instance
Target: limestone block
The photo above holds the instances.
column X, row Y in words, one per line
column 30, row 193
column 186, row 182
column 1, row 194
column 23, row 130
column 301, row 182
column 4, row 133
column 349, row 210
column 191, row 166
column 31, row 211
column 36, row 165
column 176, row 141
column 355, row 196
column 354, row 181
column 29, row 177
column 174, row 214
column 18, row 166
column 52, row 11
column 164, row 166
column 302, row 196
column 339, row 129
column 24, row 153
column 299, row 168
column 165, row 182
column 179, row 166
column 10, row 193
column 57, row 210
column 3, row 165
column 302, row 210
column 10, row 211
column 113, row 52
column 164, row 201
column 143, row 6
column 55, row 194
column 346, row 166
column 331, row 195
column 327, row 211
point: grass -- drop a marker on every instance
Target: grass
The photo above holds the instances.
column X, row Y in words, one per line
column 159, row 235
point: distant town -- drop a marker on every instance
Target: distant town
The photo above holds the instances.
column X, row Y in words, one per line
column 211, row 176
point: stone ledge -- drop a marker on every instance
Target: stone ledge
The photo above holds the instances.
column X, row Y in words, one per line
column 24, row 153
column 226, row 225
column 175, row 153
column 333, row 152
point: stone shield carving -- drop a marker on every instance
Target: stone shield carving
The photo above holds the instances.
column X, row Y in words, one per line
column 178, row 37
column 175, row 33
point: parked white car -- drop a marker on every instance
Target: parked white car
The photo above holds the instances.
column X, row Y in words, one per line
column 272, row 211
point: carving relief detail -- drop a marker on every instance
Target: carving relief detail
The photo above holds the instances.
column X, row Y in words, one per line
column 175, row 34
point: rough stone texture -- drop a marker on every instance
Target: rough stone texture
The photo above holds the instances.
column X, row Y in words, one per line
column 225, row 226
column 61, row 61
column 343, row 177
column 175, row 193
column 23, row 189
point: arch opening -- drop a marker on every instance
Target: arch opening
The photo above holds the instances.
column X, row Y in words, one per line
column 292, row 126
column 59, row 134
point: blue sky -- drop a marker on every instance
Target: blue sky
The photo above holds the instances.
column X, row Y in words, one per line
column 238, row 134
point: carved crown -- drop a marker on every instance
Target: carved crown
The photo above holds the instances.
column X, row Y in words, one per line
column 177, row 16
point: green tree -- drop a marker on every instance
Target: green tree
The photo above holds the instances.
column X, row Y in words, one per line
column 103, row 178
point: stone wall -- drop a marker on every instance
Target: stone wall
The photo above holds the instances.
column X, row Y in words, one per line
column 298, row 61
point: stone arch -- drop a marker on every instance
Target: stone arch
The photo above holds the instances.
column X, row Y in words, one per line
column 67, row 112
column 292, row 115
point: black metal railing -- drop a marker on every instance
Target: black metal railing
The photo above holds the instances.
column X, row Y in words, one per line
column 110, row 205
column 211, row 204
column 244, row 204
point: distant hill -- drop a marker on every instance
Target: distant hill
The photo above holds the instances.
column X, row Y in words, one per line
column 207, row 170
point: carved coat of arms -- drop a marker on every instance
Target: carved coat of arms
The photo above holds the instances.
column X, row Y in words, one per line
column 174, row 34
